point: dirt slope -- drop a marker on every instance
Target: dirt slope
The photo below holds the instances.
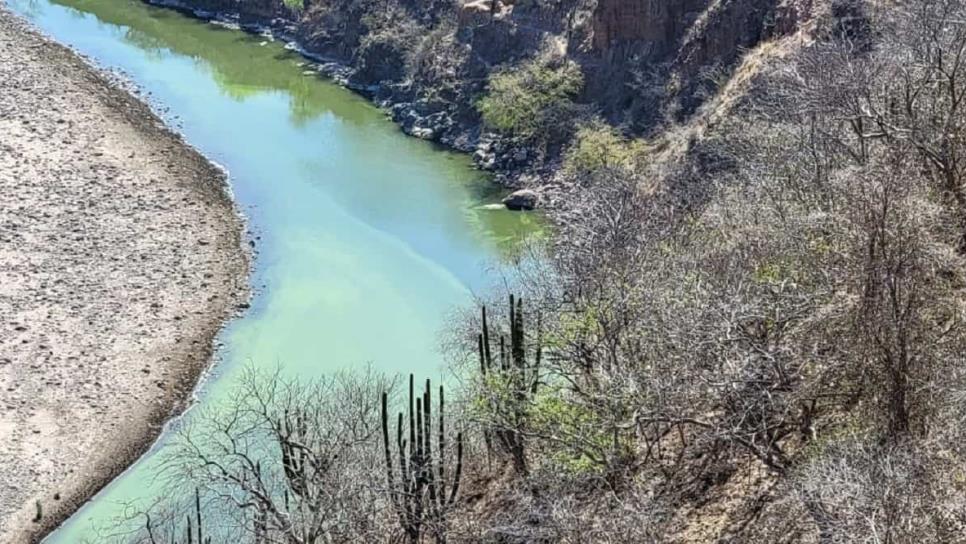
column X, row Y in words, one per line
column 120, row 258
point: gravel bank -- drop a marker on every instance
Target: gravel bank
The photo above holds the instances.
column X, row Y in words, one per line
column 120, row 259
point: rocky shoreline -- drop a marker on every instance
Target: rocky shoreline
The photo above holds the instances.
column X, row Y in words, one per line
column 121, row 257
column 508, row 161
column 645, row 67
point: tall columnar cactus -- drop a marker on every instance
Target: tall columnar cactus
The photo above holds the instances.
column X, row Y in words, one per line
column 296, row 459
column 194, row 533
column 421, row 497
column 517, row 381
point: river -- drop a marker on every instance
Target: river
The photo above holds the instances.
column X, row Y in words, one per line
column 365, row 239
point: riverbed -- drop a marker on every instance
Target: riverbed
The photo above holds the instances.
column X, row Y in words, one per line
column 365, row 240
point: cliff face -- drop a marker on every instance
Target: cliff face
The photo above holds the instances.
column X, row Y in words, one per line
column 659, row 24
column 651, row 58
column 719, row 28
column 646, row 63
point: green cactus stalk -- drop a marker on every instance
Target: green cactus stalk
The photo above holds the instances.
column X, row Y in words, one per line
column 201, row 538
column 420, row 498
column 520, row 377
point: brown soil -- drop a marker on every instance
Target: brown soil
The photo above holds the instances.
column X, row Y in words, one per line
column 120, row 259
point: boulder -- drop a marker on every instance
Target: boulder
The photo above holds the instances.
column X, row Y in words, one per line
column 524, row 199
column 424, row 133
column 475, row 12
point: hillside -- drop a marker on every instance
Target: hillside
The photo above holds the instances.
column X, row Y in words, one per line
column 748, row 324
column 643, row 66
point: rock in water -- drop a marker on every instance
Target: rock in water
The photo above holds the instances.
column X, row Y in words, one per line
column 524, row 199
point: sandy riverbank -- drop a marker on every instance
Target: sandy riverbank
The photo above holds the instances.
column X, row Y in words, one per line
column 120, row 258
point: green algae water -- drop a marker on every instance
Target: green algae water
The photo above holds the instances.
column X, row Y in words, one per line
column 366, row 239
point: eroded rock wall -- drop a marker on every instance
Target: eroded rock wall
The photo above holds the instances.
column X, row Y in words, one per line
column 645, row 62
column 651, row 60
column 656, row 24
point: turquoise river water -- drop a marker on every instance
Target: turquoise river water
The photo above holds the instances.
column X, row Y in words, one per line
column 368, row 239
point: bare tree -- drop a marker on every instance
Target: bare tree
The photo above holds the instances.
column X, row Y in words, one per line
column 281, row 461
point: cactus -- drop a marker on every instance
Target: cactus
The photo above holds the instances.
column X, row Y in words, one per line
column 195, row 534
column 521, row 378
column 201, row 539
column 294, row 456
column 421, row 498
column 193, row 528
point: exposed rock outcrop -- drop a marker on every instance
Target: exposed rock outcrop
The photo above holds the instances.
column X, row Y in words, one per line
column 651, row 59
column 645, row 63
column 522, row 200
column 659, row 24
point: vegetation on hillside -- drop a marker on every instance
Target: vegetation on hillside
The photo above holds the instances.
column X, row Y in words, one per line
column 533, row 100
column 597, row 146
column 767, row 344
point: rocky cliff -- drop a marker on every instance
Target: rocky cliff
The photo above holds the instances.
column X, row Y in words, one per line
column 656, row 24
column 654, row 59
column 647, row 64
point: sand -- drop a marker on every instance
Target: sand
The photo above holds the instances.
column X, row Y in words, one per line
column 120, row 258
